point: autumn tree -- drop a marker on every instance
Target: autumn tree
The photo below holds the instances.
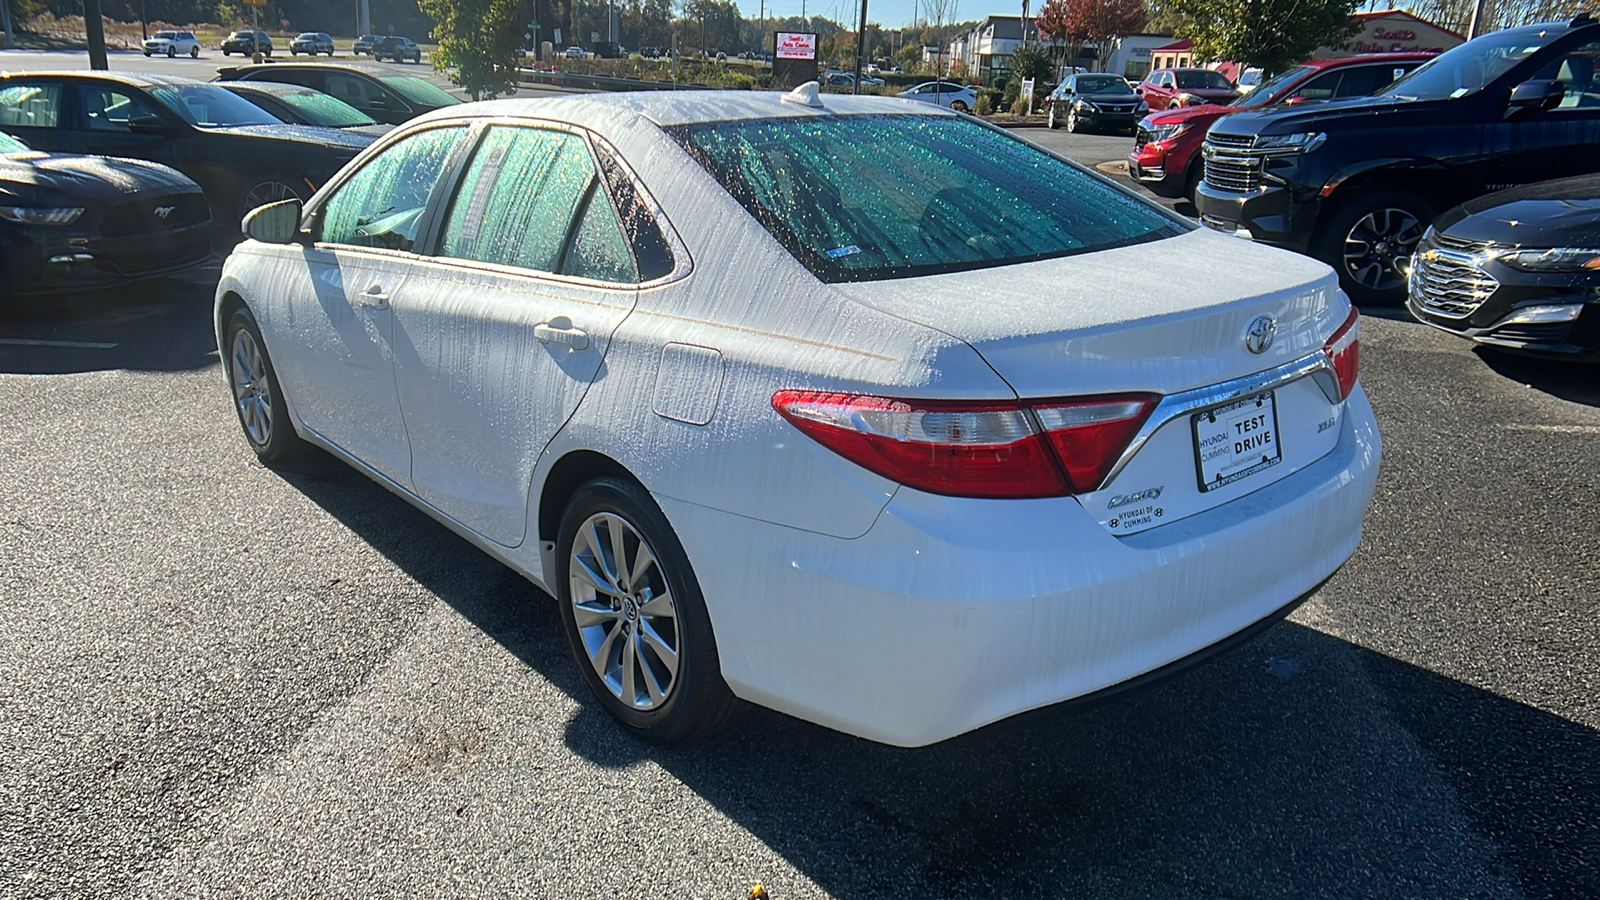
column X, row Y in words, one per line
column 1095, row 21
column 479, row 39
column 1272, row 34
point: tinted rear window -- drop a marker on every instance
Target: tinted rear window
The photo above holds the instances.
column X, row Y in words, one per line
column 869, row 197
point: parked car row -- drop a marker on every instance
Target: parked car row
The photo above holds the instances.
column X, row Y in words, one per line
column 312, row 43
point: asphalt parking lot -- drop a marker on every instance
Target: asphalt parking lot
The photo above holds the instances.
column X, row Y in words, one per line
column 227, row 681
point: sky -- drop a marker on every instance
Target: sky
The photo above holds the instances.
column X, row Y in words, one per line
column 888, row 13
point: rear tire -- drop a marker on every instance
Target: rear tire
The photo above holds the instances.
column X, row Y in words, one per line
column 194, row 52
column 1368, row 237
column 958, row 105
column 258, row 398
column 637, row 626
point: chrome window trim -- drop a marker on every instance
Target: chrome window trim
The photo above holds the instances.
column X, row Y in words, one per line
column 1315, row 365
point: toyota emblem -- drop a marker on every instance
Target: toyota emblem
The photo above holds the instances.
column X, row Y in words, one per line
column 1258, row 337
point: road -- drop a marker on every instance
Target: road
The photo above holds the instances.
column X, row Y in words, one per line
column 225, row 681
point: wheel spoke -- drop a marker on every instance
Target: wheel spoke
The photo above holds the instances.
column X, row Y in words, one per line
column 601, row 569
column 630, row 665
column 664, row 652
column 619, row 553
column 651, row 686
column 642, row 561
column 588, row 615
column 659, row 606
column 585, row 569
column 600, row 656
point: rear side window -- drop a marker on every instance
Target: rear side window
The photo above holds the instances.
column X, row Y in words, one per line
column 30, row 105
column 866, row 197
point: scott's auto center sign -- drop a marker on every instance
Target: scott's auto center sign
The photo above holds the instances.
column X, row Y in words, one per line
column 1394, row 31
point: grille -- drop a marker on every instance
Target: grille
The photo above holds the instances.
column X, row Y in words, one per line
column 1446, row 279
column 1231, row 141
column 140, row 217
column 1240, row 174
column 1536, row 333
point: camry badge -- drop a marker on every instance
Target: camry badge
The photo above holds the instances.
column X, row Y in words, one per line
column 1259, row 335
column 163, row 211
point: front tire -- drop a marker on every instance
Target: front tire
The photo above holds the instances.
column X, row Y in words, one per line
column 1073, row 125
column 258, row 398
column 269, row 189
column 1367, row 240
column 634, row 616
column 172, row 52
column 194, row 52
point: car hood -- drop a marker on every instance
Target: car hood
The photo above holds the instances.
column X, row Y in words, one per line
column 1188, row 114
column 30, row 178
column 1561, row 213
column 1110, row 97
column 1312, row 116
column 1109, row 321
column 302, row 134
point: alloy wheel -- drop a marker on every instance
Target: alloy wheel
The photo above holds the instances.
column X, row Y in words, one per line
column 269, row 191
column 1378, row 244
column 247, row 365
column 624, row 612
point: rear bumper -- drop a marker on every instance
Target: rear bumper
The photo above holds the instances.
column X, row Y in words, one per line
column 949, row 613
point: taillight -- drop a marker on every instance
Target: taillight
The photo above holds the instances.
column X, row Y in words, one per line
column 972, row 449
column 1344, row 351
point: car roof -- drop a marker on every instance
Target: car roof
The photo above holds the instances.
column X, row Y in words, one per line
column 297, row 67
column 1367, row 58
column 603, row 111
column 137, row 79
column 276, row 88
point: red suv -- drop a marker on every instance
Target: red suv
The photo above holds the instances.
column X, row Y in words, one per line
column 1172, row 88
column 1166, row 143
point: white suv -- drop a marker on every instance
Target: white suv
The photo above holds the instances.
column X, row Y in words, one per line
column 173, row 43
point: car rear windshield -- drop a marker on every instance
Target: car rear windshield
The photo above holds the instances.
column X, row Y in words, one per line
column 1465, row 69
column 415, row 89
column 321, row 109
column 872, row 197
column 1200, row 79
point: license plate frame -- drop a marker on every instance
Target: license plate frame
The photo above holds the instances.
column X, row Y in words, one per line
column 1219, row 432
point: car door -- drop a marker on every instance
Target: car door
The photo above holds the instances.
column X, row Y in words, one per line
column 35, row 111
column 337, row 367
column 497, row 341
column 117, row 120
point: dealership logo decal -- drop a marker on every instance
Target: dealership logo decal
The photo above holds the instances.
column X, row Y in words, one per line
column 1259, row 335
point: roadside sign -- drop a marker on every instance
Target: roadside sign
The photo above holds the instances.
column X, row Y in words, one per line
column 796, row 45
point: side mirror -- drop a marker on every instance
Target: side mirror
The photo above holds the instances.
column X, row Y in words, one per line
column 147, row 123
column 1535, row 95
column 275, row 223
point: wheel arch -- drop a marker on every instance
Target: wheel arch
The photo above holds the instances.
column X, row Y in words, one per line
column 566, row 475
column 1416, row 176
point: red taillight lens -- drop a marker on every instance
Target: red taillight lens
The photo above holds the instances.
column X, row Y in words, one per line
column 971, row 449
column 1089, row 436
column 1344, row 351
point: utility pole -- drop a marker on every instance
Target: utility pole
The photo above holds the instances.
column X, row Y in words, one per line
column 144, row 20
column 5, row 19
column 1476, row 28
column 95, row 30
column 363, row 18
column 861, row 47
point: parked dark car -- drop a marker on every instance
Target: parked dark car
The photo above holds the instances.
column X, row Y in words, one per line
column 1094, row 102
column 1166, row 154
column 311, row 43
column 1518, row 269
column 387, row 98
column 244, row 43
column 303, row 106
column 240, row 155
column 1356, row 182
column 70, row 222
column 397, row 48
column 1172, row 88
column 364, row 44
column 651, row 53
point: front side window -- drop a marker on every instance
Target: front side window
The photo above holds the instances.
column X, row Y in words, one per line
column 530, row 199
column 110, row 109
column 382, row 204
column 1576, row 74
column 30, row 105
column 955, row 195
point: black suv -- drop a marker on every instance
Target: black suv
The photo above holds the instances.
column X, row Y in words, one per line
column 1356, row 182
column 244, row 43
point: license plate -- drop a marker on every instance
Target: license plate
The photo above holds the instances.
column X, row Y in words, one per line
column 1236, row 441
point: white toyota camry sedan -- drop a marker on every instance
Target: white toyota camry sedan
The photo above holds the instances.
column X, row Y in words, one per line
column 900, row 443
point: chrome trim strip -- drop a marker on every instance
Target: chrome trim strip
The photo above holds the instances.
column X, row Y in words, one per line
column 1175, row 406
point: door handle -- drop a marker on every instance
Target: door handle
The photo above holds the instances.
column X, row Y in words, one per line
column 373, row 298
column 572, row 338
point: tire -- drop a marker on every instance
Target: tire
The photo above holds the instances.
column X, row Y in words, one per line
column 1073, row 125
column 224, row 53
column 194, row 52
column 659, row 597
column 1174, row 105
column 147, row 54
column 258, row 398
column 172, row 52
column 1191, row 179
column 1050, row 117
column 1367, row 238
column 264, row 189
column 959, row 106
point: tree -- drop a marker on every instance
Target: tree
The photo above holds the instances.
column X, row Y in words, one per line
column 1096, row 21
column 1272, row 34
column 479, row 39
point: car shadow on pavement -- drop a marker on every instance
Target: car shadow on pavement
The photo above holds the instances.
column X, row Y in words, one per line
column 157, row 326
column 1578, row 382
column 1297, row 765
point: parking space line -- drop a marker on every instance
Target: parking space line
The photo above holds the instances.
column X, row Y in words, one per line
column 75, row 345
column 1556, row 429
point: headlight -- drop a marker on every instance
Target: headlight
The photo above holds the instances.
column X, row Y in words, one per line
column 1142, row 108
column 1290, row 143
column 1167, row 132
column 30, row 215
column 1084, row 104
column 1557, row 259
